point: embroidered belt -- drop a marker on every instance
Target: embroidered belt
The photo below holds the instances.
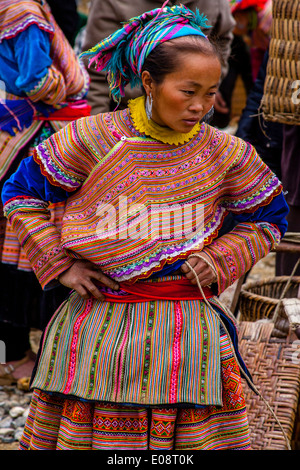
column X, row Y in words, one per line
column 178, row 289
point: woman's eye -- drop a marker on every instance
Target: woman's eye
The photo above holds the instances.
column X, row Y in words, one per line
column 188, row 92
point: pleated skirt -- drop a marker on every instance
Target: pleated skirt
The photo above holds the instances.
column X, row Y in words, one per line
column 57, row 422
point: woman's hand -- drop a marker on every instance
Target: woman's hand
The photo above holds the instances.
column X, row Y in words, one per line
column 81, row 276
column 205, row 273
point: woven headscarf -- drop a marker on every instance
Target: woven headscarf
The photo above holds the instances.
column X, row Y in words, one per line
column 123, row 53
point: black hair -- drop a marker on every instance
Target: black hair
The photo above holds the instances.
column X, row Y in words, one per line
column 164, row 59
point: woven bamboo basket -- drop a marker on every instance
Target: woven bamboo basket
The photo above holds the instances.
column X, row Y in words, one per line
column 271, row 351
column 258, row 300
column 281, row 99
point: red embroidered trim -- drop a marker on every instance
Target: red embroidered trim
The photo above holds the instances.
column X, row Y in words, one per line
column 72, row 364
column 176, row 353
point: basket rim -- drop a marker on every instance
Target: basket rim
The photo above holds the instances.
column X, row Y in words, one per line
column 267, row 281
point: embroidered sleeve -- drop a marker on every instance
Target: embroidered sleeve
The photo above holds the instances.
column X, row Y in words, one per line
column 249, row 183
column 24, row 195
column 64, row 158
column 41, row 76
column 39, row 237
column 38, row 78
column 254, row 196
column 236, row 253
column 60, row 168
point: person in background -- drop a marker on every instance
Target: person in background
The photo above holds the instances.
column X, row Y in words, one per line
column 107, row 15
column 67, row 17
column 290, row 176
column 250, row 42
column 265, row 136
column 253, row 22
column 267, row 139
column 142, row 354
column 44, row 86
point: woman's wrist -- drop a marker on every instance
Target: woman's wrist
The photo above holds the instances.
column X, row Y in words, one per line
column 205, row 258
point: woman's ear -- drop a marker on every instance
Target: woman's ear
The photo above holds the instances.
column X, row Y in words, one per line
column 147, row 82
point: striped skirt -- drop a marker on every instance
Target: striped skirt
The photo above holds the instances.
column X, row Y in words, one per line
column 157, row 374
column 61, row 423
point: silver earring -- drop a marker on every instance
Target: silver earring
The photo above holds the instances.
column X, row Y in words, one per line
column 208, row 116
column 148, row 106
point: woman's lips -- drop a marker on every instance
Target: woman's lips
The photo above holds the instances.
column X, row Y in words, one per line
column 191, row 122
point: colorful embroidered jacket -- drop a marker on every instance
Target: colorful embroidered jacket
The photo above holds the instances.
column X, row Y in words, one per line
column 117, row 169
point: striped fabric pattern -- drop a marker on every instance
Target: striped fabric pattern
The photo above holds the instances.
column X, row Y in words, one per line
column 51, row 89
column 67, row 75
column 64, row 423
column 105, row 158
column 262, row 237
column 48, row 260
column 67, row 79
column 25, row 13
column 13, row 253
column 10, row 146
column 142, row 353
column 217, row 186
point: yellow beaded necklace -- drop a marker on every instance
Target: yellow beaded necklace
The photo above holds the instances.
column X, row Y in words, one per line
column 150, row 128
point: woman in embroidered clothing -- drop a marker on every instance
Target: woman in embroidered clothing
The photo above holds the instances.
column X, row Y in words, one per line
column 142, row 355
column 43, row 87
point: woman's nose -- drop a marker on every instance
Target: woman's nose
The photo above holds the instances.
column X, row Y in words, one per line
column 196, row 106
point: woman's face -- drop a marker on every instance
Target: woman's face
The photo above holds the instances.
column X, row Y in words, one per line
column 186, row 94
